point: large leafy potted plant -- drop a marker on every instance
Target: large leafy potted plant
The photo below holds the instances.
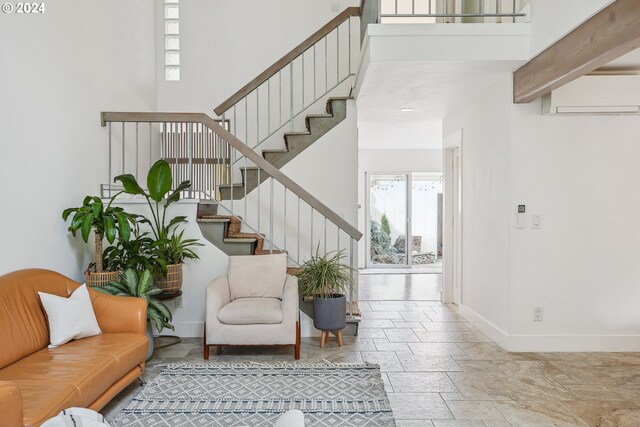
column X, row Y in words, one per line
column 326, row 279
column 137, row 253
column 159, row 197
column 106, row 222
column 140, row 285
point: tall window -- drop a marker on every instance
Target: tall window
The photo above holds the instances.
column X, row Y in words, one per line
column 172, row 40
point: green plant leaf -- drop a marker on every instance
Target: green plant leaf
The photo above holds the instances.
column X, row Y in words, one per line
column 159, row 180
column 109, row 229
column 159, row 305
column 123, row 226
column 144, row 283
column 130, row 184
column 130, row 279
column 86, row 227
column 67, row 212
column 175, row 196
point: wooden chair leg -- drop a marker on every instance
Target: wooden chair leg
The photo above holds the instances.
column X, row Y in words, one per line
column 340, row 338
column 322, row 337
column 204, row 341
column 297, row 346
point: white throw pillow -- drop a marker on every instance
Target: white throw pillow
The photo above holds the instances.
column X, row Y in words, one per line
column 70, row 318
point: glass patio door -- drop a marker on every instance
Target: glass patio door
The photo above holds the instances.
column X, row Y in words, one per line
column 401, row 205
column 388, row 208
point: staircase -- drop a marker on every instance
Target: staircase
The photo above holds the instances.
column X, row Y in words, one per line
column 223, row 167
column 294, row 143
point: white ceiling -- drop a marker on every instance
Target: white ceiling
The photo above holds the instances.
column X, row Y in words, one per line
column 399, row 135
column 432, row 89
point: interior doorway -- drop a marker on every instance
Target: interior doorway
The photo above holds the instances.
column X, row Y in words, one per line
column 399, row 205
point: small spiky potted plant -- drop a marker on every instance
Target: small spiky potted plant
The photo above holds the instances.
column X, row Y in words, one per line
column 326, row 279
column 140, row 285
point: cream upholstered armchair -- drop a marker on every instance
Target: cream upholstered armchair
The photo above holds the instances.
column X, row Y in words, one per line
column 256, row 304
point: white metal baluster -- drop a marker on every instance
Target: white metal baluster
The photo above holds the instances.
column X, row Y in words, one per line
column 259, row 205
column 303, row 81
column 396, row 7
column 291, row 95
column 314, row 72
column 245, row 189
column 246, row 121
column 268, row 106
column 337, row 55
column 123, row 143
column 205, row 169
column 280, row 98
column 190, row 154
column 352, row 277
column 326, row 64
column 150, row 144
column 271, row 214
column 110, row 161
column 285, row 219
column 325, row 234
column 298, row 252
column 311, row 238
column 137, row 150
column 338, row 239
column 350, row 45
column 257, row 116
column 513, row 10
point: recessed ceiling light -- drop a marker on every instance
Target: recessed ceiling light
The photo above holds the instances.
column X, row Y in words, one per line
column 405, row 110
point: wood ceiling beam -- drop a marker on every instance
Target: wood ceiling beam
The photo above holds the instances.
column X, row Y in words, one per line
column 607, row 35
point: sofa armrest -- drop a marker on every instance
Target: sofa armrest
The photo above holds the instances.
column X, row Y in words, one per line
column 10, row 404
column 218, row 295
column 119, row 314
column 290, row 301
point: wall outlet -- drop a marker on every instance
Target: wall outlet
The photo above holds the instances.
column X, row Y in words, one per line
column 179, row 302
column 335, row 7
column 537, row 314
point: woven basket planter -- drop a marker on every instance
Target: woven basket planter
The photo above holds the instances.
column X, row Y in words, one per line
column 173, row 282
column 92, row 278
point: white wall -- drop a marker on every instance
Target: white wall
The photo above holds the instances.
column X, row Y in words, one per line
column 579, row 175
column 225, row 44
column 552, row 19
column 60, row 70
column 484, row 120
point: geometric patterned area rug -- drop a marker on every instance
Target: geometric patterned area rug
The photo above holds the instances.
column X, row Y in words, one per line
column 255, row 394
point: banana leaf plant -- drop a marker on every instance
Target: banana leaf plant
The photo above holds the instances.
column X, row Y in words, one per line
column 159, row 197
column 106, row 222
column 140, row 285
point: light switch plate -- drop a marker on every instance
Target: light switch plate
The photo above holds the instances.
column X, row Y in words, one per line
column 536, row 221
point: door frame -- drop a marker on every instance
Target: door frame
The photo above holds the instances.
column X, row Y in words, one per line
column 452, row 253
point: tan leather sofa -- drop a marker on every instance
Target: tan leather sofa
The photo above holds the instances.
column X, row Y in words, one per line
column 36, row 382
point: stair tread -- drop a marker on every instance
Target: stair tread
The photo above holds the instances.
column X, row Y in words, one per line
column 213, row 220
column 240, row 239
column 296, row 133
column 275, row 150
column 319, row 116
column 340, row 98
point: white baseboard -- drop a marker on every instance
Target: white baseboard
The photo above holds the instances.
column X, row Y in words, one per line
column 485, row 326
column 551, row 343
column 574, row 343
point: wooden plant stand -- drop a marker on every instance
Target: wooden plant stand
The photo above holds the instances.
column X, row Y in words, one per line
column 325, row 338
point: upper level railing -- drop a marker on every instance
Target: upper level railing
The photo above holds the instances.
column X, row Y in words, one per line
column 439, row 11
column 277, row 96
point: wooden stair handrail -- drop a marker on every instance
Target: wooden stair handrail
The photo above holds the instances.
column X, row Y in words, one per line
column 108, row 116
column 282, row 62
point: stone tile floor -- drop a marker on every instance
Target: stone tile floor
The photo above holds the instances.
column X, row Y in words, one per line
column 440, row 371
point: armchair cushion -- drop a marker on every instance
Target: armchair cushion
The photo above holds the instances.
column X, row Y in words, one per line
column 251, row 311
column 261, row 276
